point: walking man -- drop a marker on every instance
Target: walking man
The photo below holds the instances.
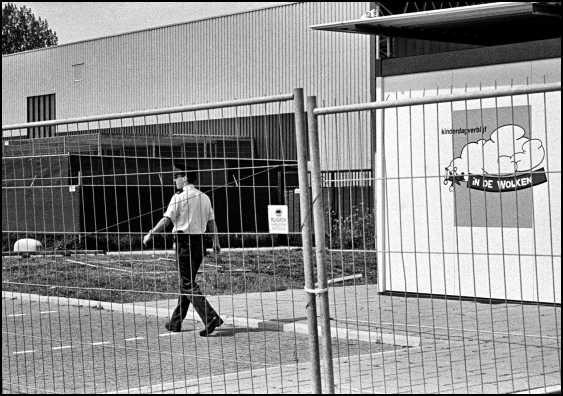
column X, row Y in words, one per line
column 191, row 213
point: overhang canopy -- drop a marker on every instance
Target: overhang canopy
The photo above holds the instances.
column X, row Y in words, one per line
column 483, row 24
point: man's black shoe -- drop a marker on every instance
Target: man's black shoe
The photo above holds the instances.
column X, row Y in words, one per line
column 210, row 327
column 167, row 325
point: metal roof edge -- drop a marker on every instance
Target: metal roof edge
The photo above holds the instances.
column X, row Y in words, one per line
column 152, row 28
column 418, row 14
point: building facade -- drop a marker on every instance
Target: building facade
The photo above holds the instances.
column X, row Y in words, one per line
column 274, row 50
column 260, row 53
column 468, row 190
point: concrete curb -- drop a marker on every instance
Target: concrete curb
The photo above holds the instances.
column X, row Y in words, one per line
column 541, row 390
column 251, row 323
column 223, row 250
column 404, row 340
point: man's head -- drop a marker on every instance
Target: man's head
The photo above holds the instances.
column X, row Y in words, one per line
column 183, row 175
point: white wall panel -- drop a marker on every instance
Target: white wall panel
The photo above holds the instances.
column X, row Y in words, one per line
column 435, row 239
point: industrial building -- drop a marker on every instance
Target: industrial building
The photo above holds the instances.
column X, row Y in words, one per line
column 260, row 53
column 418, row 48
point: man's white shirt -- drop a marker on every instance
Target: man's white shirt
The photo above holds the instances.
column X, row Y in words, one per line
column 190, row 211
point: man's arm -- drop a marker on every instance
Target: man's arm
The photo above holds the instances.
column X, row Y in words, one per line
column 160, row 226
column 212, row 228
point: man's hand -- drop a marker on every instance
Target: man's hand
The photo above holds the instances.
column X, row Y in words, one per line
column 161, row 225
column 147, row 238
column 212, row 228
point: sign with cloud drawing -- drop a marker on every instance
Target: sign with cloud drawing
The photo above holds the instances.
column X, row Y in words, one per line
column 507, row 161
column 494, row 152
column 471, row 199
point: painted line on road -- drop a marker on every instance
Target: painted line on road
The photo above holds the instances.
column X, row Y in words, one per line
column 169, row 333
column 397, row 339
column 100, row 343
column 390, row 338
column 135, row 338
column 20, row 352
column 62, row 347
column 14, row 315
column 47, row 312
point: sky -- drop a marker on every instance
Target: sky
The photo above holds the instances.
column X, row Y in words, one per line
column 76, row 21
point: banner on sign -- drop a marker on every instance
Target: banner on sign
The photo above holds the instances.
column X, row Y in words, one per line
column 509, row 183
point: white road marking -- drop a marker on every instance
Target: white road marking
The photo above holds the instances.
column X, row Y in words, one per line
column 14, row 315
column 62, row 347
column 20, row 352
column 46, row 312
column 168, row 334
column 100, row 343
column 135, row 338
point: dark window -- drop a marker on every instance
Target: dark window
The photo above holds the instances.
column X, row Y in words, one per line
column 41, row 108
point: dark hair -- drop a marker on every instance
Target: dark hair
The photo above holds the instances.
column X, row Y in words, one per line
column 187, row 171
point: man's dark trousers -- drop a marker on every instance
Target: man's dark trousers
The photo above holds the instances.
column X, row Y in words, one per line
column 189, row 255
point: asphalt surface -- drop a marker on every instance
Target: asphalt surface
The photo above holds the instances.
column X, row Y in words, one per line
column 459, row 346
column 50, row 348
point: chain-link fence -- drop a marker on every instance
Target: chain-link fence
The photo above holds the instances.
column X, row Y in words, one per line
column 85, row 301
column 458, row 263
column 433, row 268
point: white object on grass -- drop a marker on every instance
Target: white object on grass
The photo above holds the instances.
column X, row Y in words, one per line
column 27, row 245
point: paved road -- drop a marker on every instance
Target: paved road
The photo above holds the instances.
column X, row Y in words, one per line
column 68, row 348
column 459, row 346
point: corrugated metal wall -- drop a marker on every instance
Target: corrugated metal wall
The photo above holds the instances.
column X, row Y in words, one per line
column 44, row 205
column 264, row 52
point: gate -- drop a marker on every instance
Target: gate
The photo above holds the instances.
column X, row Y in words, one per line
column 457, row 271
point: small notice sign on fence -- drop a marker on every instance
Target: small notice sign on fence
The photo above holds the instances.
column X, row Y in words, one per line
column 277, row 219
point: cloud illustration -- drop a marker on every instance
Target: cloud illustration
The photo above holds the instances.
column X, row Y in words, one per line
column 507, row 151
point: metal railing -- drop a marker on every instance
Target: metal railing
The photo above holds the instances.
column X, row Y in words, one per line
column 431, row 277
column 458, row 268
column 84, row 309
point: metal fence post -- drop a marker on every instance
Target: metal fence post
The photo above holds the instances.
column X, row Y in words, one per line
column 318, row 216
column 305, row 211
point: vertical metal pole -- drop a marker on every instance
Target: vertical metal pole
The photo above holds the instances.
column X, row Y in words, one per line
column 305, row 210
column 380, row 193
column 377, row 171
column 319, row 221
column 377, row 44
